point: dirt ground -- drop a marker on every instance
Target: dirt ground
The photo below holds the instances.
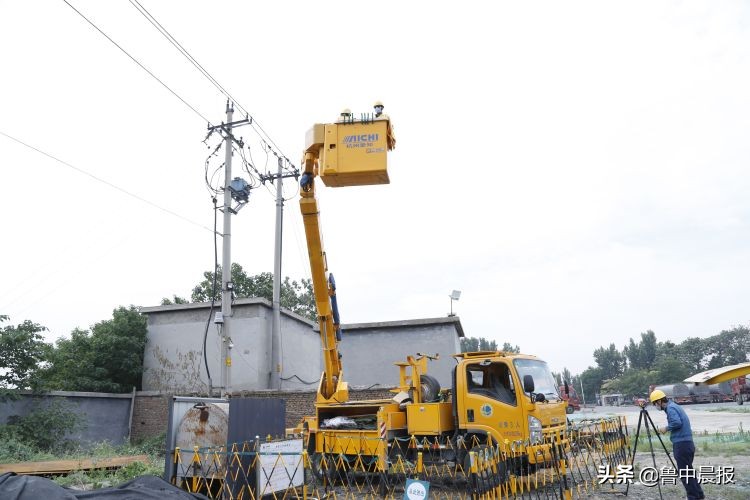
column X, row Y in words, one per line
column 739, row 490
column 702, row 421
column 701, row 418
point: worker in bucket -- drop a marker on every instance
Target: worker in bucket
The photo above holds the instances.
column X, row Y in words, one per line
column 379, row 115
column 683, row 447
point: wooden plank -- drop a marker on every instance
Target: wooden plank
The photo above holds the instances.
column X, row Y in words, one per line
column 66, row 466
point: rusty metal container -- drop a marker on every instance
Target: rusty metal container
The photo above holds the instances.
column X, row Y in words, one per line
column 205, row 426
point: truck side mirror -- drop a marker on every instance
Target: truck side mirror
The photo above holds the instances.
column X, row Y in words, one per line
column 528, row 383
column 567, row 389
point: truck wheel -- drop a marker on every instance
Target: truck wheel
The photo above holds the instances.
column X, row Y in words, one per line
column 430, row 389
column 397, row 458
column 569, row 410
column 320, row 473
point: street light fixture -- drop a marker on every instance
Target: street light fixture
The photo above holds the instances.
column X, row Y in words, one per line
column 455, row 295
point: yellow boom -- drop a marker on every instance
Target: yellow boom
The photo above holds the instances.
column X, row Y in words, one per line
column 351, row 153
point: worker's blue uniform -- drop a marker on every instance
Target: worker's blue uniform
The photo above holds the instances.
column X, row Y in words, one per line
column 683, row 447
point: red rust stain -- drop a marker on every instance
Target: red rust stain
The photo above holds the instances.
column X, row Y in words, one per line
column 201, row 427
column 207, row 428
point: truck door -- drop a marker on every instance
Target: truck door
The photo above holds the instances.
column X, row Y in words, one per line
column 490, row 401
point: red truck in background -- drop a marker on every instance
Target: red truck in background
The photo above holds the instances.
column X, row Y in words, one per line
column 574, row 404
column 740, row 390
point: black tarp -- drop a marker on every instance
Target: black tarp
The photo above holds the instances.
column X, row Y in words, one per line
column 13, row 487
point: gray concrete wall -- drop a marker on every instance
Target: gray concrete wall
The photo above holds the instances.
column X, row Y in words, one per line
column 370, row 349
column 301, row 356
column 173, row 358
column 105, row 417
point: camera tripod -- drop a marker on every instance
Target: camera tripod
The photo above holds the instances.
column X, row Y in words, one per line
column 645, row 419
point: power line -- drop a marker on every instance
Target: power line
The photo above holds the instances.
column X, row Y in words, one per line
column 138, row 63
column 71, row 275
column 253, row 123
column 99, row 179
column 161, row 29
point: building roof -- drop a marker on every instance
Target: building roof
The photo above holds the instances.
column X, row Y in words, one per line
column 453, row 320
column 349, row 327
column 248, row 301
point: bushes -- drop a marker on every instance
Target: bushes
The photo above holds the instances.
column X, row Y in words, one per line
column 153, row 446
column 103, row 478
column 44, row 430
column 44, row 433
column 12, row 449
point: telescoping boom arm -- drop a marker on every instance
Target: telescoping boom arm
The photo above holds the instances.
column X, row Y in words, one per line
column 349, row 153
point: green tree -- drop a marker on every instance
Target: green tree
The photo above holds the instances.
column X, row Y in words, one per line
column 566, row 375
column 632, row 354
column 648, row 349
column 641, row 355
column 729, row 347
column 666, row 349
column 592, row 379
column 508, row 347
column 474, row 344
column 166, row 301
column 562, row 377
column 651, row 362
column 295, row 296
column 669, row 371
column 22, row 350
column 634, row 382
column 692, row 353
column 107, row 359
column 610, row 361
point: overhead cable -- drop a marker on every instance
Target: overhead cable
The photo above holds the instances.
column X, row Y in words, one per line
column 253, row 123
column 114, row 186
column 161, row 29
column 138, row 63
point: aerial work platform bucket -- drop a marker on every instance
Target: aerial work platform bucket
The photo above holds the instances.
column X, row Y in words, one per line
column 352, row 153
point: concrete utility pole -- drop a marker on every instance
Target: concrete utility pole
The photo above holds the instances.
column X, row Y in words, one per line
column 274, row 375
column 276, row 336
column 226, row 262
column 227, row 288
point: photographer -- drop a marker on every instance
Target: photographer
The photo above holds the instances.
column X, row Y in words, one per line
column 681, row 435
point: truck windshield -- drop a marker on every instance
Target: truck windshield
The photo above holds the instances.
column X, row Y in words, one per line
column 543, row 381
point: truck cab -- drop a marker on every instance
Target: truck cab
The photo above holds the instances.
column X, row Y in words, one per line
column 574, row 404
column 507, row 396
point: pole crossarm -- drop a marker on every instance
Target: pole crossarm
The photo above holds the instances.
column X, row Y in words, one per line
column 223, row 126
column 273, row 177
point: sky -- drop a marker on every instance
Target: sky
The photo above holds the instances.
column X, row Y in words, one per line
column 577, row 170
